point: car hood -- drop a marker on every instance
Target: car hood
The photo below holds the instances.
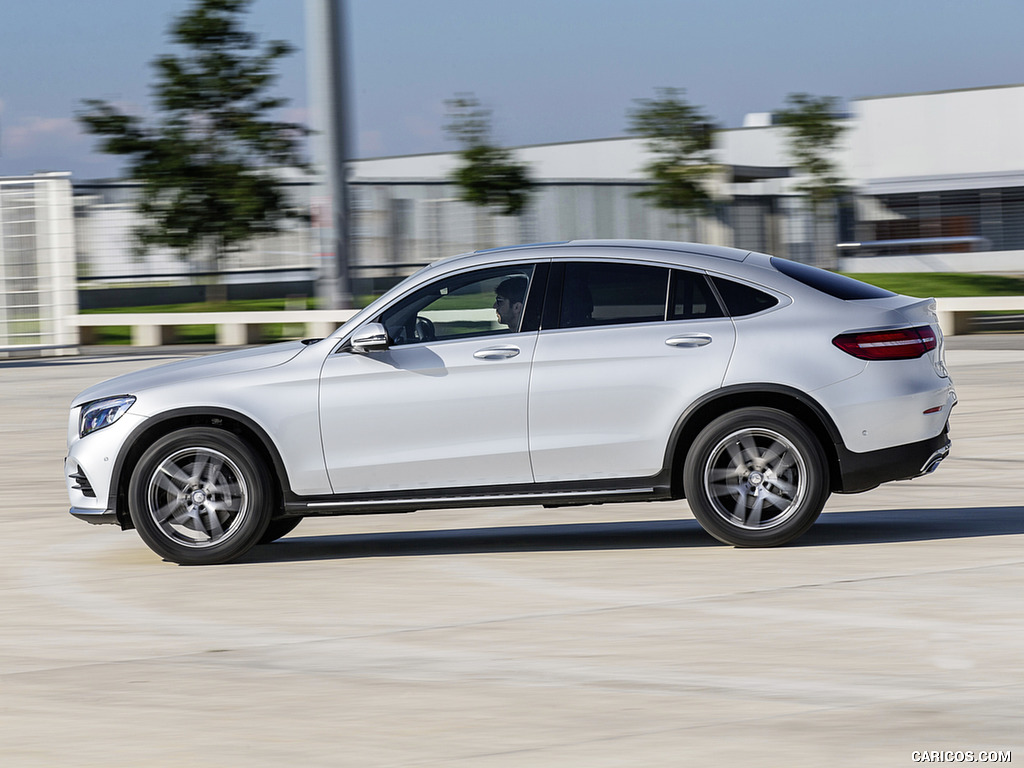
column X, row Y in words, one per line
column 187, row 370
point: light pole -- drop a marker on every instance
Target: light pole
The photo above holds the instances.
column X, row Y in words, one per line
column 328, row 90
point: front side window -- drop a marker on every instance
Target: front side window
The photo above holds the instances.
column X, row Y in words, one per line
column 479, row 303
column 600, row 293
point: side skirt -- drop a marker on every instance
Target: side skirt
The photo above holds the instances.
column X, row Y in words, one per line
column 411, row 501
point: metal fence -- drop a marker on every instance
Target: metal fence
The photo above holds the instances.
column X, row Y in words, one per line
column 55, row 243
column 37, row 264
column 398, row 226
column 109, row 253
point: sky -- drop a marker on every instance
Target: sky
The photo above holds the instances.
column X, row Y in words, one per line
column 550, row 70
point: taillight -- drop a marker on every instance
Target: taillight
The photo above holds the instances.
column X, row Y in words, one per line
column 901, row 344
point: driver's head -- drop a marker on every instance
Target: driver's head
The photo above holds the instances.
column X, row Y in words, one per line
column 510, row 296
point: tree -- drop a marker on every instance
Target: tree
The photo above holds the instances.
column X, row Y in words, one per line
column 679, row 135
column 814, row 130
column 209, row 162
column 489, row 175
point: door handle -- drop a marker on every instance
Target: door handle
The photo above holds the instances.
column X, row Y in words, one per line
column 496, row 353
column 689, row 340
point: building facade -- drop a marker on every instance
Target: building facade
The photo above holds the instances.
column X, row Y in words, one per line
column 936, row 182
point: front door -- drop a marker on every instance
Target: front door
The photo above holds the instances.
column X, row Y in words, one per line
column 445, row 406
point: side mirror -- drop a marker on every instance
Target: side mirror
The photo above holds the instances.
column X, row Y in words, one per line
column 370, row 338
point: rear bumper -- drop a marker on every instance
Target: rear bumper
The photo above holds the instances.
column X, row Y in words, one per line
column 864, row 471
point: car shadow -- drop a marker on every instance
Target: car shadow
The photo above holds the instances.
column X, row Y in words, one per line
column 837, row 528
column 894, row 525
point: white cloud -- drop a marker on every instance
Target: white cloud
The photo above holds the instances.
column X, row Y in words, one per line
column 36, row 133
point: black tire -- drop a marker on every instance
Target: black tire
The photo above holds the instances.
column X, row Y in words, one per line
column 756, row 477
column 278, row 528
column 200, row 496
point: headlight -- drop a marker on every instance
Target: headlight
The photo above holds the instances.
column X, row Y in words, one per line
column 102, row 413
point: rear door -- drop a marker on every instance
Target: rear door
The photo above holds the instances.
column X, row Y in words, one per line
column 625, row 348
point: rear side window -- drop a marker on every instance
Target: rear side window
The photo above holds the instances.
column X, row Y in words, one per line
column 599, row 293
column 742, row 299
column 692, row 297
column 840, row 286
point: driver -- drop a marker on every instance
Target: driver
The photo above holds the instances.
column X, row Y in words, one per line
column 510, row 295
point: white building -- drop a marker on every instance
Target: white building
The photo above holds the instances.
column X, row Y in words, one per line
column 937, row 182
column 936, row 179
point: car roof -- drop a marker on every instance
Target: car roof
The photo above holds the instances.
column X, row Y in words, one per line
column 661, row 249
column 699, row 249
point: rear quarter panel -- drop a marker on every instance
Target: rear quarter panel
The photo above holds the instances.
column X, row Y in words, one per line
column 874, row 405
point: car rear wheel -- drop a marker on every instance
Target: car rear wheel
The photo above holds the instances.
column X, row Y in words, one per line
column 200, row 496
column 756, row 477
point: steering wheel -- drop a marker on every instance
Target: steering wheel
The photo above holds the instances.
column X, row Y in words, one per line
column 424, row 329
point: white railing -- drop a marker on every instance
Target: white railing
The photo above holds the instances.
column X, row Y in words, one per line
column 152, row 329
column 956, row 313
column 37, row 263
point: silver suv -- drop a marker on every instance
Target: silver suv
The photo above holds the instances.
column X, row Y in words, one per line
column 554, row 374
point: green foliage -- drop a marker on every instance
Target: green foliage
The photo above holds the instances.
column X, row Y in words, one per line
column 207, row 161
column 228, row 305
column 679, row 134
column 941, row 284
column 201, row 333
column 489, row 175
column 814, row 132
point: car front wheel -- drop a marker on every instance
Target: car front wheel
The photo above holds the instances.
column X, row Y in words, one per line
column 279, row 528
column 756, row 477
column 200, row 496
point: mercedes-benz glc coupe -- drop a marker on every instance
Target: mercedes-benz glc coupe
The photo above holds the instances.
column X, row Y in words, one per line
column 554, row 374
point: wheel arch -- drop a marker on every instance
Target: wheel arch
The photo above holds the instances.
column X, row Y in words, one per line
column 780, row 397
column 220, row 418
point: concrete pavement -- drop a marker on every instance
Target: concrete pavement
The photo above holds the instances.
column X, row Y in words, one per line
column 593, row 636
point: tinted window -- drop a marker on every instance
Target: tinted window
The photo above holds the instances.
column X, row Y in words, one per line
column 742, row 299
column 692, row 297
column 608, row 294
column 840, row 286
column 472, row 304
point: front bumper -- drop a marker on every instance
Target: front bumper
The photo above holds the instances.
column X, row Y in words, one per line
column 95, row 516
column 89, row 468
